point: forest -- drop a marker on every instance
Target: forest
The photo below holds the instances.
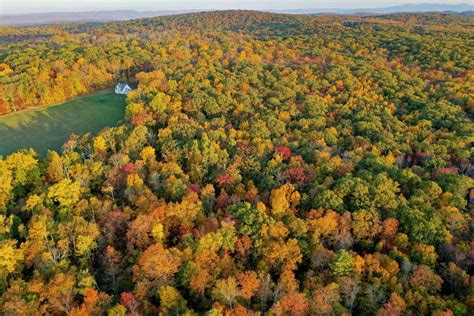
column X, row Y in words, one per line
column 267, row 164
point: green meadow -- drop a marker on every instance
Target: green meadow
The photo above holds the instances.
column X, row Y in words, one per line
column 48, row 128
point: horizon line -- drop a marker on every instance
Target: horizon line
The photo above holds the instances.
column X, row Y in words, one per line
column 65, row 10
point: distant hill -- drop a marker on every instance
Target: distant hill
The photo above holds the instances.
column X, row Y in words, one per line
column 120, row 15
column 89, row 16
column 466, row 13
column 423, row 7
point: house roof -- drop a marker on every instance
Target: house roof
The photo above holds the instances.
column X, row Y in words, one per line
column 121, row 86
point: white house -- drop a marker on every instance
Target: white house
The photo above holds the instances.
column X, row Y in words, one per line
column 122, row 88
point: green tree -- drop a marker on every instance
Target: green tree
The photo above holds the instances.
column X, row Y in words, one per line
column 341, row 264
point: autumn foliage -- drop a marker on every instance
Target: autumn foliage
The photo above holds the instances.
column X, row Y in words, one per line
column 267, row 164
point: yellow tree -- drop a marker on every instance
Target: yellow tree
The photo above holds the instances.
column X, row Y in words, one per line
column 6, row 185
column 284, row 200
column 66, row 193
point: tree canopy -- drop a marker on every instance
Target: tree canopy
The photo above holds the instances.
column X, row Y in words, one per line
column 267, row 163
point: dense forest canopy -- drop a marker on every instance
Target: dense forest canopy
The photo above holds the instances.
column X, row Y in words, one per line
column 280, row 164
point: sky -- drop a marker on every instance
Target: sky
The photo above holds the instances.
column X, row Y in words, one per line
column 32, row 6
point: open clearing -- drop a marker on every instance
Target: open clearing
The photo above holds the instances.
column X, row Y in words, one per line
column 48, row 128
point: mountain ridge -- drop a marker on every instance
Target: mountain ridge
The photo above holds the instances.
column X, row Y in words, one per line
column 122, row 15
column 410, row 7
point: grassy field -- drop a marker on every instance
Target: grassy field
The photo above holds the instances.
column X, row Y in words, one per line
column 49, row 128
